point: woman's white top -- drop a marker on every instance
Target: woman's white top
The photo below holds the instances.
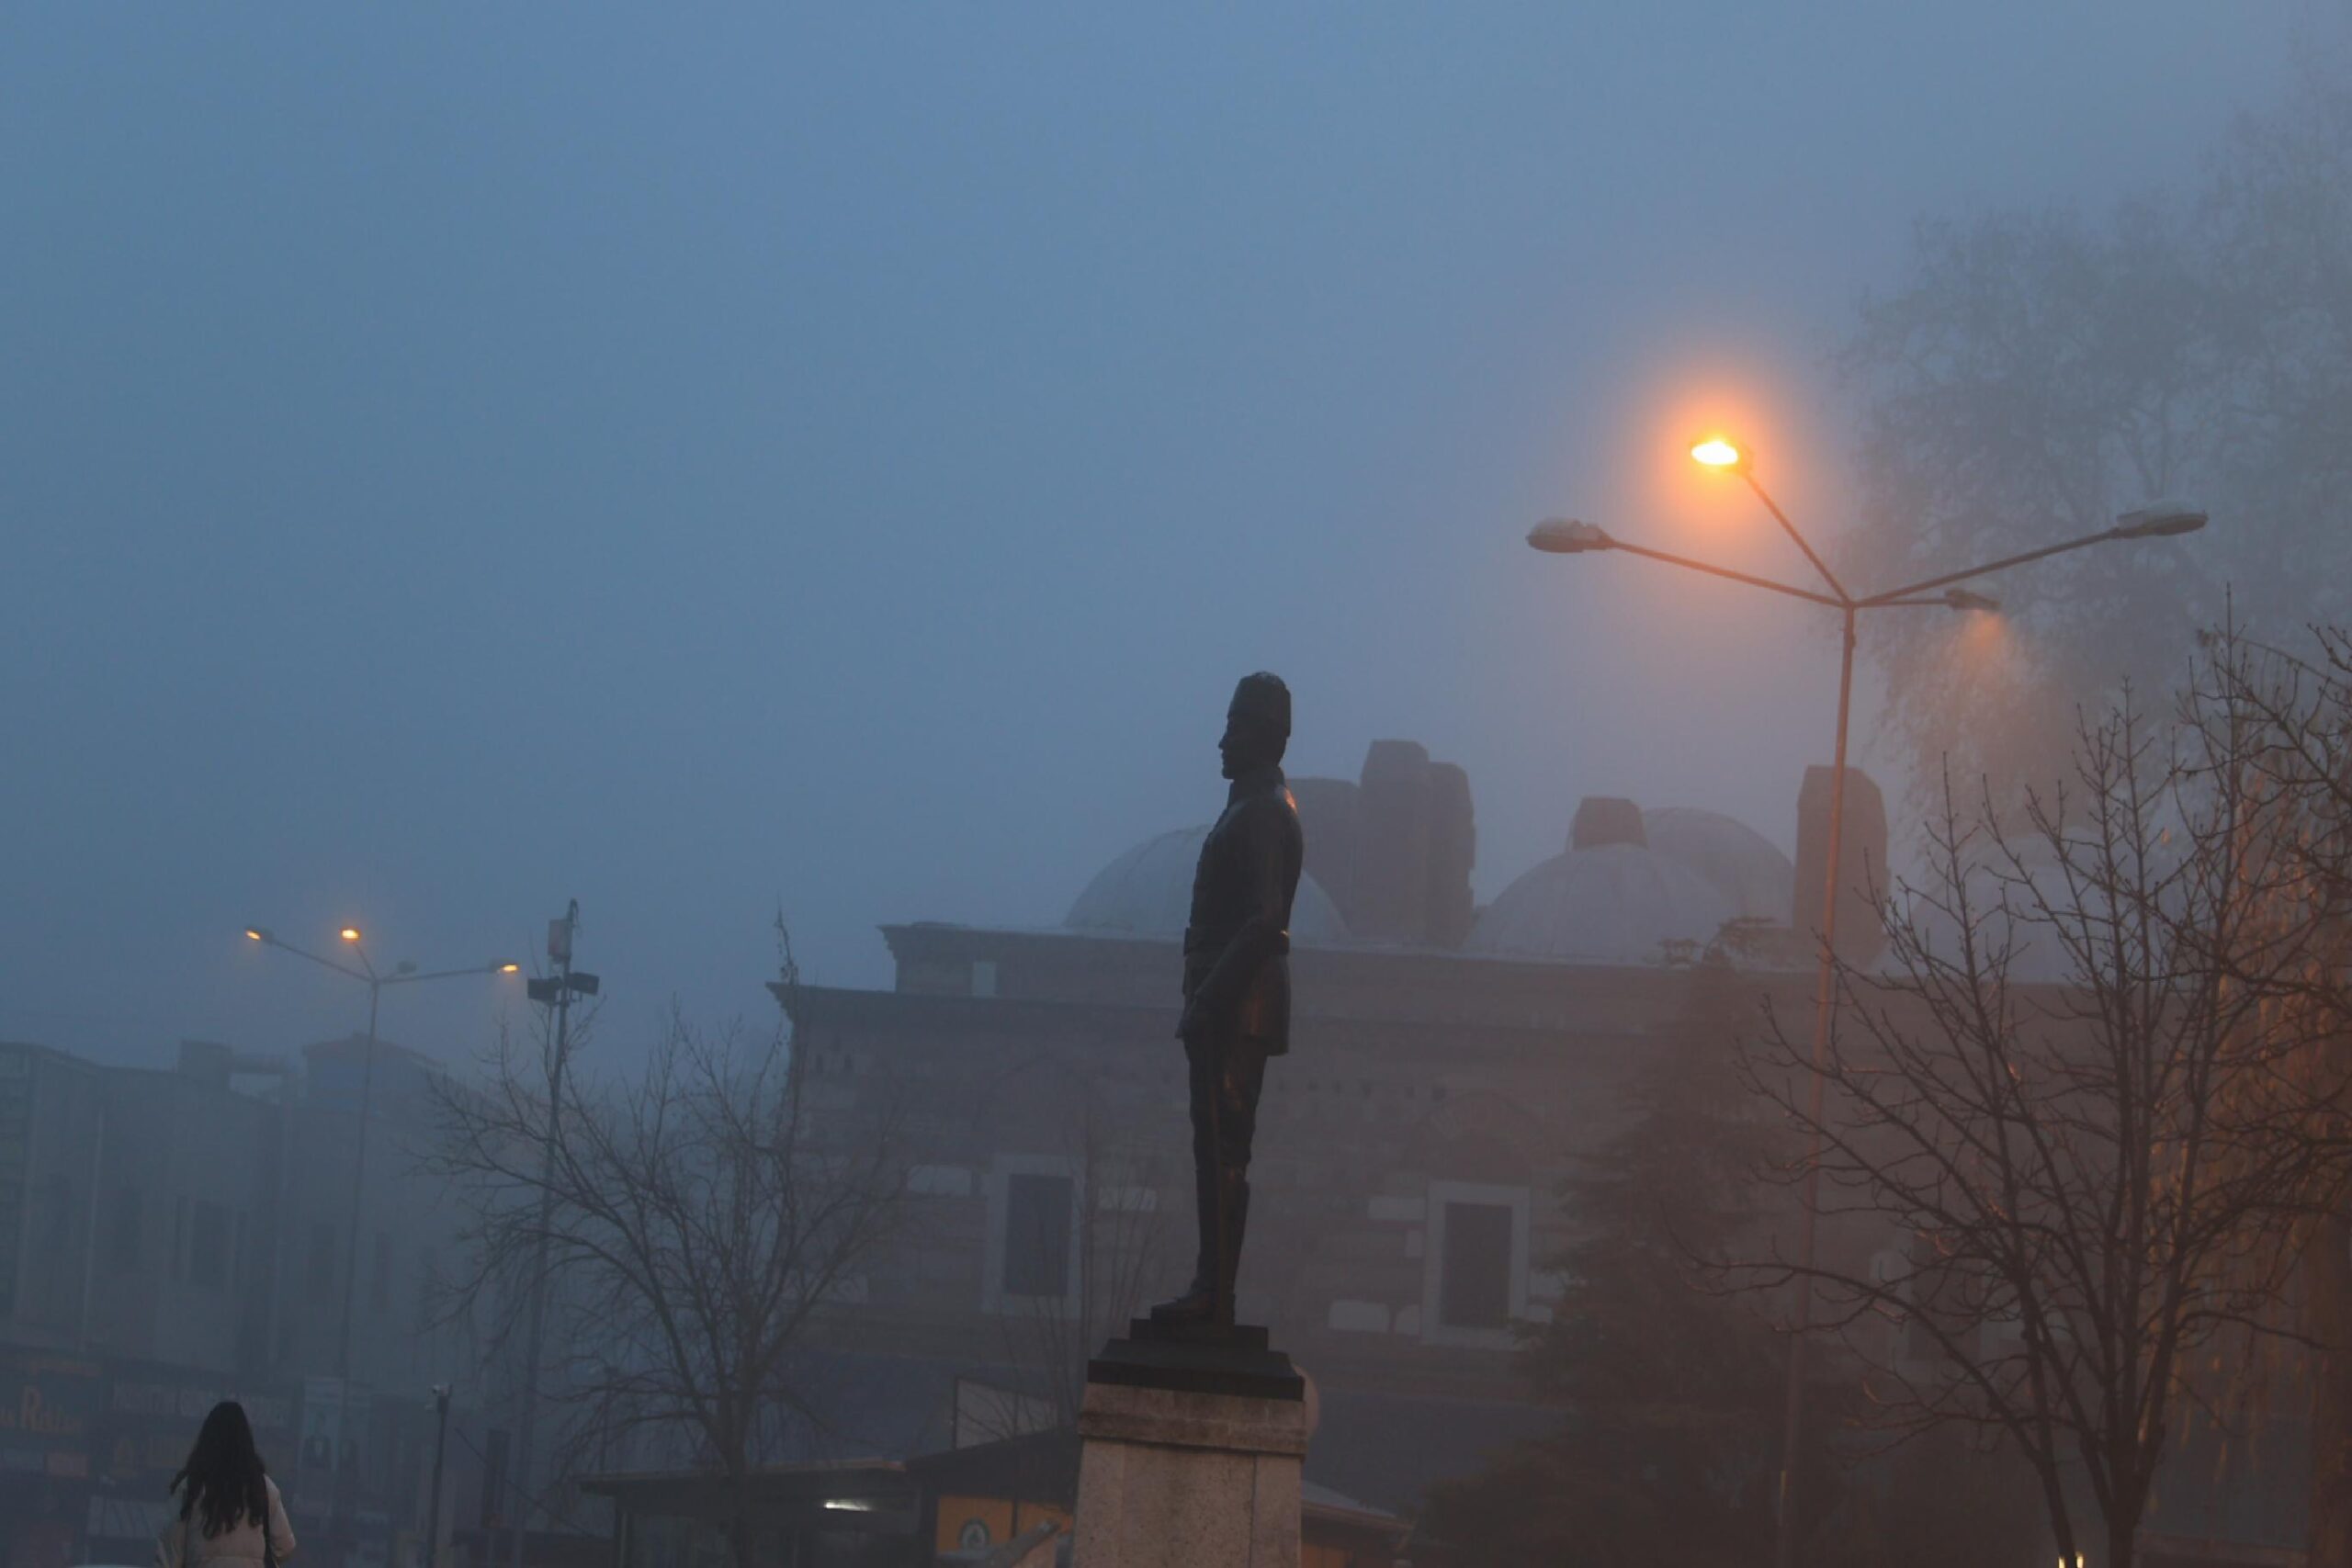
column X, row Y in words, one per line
column 184, row 1543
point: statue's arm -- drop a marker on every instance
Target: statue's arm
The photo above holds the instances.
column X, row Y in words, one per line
column 1262, row 934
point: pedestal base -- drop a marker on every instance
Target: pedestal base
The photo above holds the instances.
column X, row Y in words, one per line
column 1194, row 1441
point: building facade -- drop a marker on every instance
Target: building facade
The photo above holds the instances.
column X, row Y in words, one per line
column 1445, row 1075
column 174, row 1236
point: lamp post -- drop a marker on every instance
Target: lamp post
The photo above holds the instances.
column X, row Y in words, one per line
column 366, row 973
column 1567, row 537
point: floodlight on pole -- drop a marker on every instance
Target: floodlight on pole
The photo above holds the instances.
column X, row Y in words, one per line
column 1717, row 453
column 2158, row 522
column 1566, row 536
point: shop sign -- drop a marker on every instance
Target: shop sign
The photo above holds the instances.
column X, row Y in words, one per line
column 47, row 1403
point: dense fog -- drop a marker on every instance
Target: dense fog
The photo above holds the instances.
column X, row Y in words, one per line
column 724, row 541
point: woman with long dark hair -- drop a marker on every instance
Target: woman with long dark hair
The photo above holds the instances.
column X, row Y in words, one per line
column 230, row 1511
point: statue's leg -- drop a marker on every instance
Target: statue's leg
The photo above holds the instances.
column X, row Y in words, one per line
column 1240, row 1078
column 1199, row 1301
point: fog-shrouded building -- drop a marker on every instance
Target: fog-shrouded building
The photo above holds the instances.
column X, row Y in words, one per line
column 176, row 1234
column 1448, row 1064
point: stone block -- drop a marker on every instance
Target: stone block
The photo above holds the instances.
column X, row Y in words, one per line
column 1169, row 1479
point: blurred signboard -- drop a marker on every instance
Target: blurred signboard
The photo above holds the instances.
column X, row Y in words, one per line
column 152, row 1414
column 49, row 1406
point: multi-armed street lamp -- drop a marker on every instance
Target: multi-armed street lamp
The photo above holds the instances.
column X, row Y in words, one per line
column 1562, row 536
column 366, row 973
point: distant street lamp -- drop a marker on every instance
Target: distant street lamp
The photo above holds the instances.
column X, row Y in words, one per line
column 1562, row 536
column 403, row 973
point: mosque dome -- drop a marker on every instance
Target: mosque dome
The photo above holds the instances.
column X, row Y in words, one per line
column 1608, row 898
column 1744, row 865
column 1148, row 892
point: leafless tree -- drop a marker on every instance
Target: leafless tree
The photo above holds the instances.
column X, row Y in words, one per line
column 2067, row 1137
column 2298, row 715
column 1123, row 1234
column 686, row 1233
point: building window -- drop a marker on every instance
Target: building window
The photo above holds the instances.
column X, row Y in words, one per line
column 1033, row 1234
column 1475, row 1280
column 208, row 1257
column 124, row 1206
column 320, row 1281
column 1036, row 1235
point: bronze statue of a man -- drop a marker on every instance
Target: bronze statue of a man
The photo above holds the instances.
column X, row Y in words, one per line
column 1237, row 982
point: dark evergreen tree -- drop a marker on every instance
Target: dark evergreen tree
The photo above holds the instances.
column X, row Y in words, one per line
column 1670, row 1392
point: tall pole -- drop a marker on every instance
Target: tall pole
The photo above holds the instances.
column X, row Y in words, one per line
column 440, row 1452
column 1825, row 996
column 346, row 1481
column 533, row 1340
column 1563, row 536
column 358, row 1184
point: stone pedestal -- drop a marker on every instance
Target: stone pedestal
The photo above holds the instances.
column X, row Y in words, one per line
column 1194, row 1440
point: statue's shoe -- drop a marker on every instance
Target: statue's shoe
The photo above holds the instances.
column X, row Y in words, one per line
column 1197, row 1304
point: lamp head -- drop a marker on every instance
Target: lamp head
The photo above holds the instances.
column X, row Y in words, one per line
column 349, row 933
column 1717, row 453
column 1566, row 536
column 508, row 968
column 259, row 934
column 2163, row 521
column 1962, row 599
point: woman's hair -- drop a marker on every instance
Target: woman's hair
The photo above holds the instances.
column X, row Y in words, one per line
column 223, row 1473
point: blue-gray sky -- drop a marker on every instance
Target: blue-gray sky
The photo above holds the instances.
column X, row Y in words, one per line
column 454, row 458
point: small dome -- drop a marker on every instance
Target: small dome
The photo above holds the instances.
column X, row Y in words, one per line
column 1148, row 892
column 1615, row 904
column 1744, row 865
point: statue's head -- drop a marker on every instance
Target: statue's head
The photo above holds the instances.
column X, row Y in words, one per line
column 1257, row 723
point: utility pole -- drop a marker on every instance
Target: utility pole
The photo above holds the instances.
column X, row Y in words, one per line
column 440, row 1452
column 555, row 991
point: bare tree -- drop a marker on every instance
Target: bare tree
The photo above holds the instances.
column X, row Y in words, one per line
column 2067, row 1139
column 687, row 1234
column 1121, row 1240
column 2300, row 714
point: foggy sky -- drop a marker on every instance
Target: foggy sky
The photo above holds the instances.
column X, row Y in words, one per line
column 457, row 458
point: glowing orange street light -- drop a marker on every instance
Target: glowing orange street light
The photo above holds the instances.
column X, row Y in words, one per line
column 256, row 933
column 351, row 933
column 1562, row 536
column 508, row 968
